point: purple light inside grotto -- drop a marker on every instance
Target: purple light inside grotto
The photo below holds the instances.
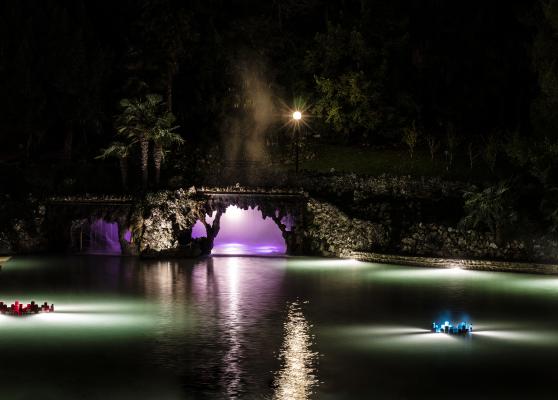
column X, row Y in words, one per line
column 103, row 238
column 128, row 236
column 198, row 230
column 244, row 232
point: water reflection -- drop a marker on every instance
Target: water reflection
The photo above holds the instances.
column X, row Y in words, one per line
column 297, row 377
column 232, row 324
column 210, row 315
column 218, row 328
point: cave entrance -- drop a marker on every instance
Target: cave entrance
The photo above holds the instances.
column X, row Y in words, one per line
column 242, row 232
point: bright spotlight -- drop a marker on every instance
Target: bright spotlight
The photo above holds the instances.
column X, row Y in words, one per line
column 297, row 115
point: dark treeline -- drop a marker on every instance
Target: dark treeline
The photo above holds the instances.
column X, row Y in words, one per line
column 477, row 76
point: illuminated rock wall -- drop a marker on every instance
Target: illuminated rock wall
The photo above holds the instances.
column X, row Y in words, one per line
column 330, row 232
column 161, row 223
column 164, row 221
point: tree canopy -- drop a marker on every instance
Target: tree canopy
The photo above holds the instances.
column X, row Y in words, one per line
column 369, row 70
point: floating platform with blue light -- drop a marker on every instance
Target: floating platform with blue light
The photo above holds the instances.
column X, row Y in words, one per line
column 462, row 328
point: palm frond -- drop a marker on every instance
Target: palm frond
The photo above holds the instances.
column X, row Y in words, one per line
column 116, row 150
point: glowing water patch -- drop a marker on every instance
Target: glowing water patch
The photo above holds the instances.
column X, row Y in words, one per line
column 328, row 264
column 420, row 274
column 534, row 338
column 381, row 330
column 79, row 321
column 548, row 284
column 393, row 339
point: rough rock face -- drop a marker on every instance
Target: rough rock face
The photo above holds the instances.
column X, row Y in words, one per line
column 397, row 222
column 164, row 223
column 166, row 218
column 446, row 241
column 330, row 232
column 341, row 184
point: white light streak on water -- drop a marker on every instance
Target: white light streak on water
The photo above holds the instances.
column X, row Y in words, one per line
column 233, row 328
column 537, row 338
column 296, row 379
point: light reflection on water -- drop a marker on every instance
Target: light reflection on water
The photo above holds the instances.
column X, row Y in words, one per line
column 297, row 378
column 231, row 327
column 232, row 324
column 211, row 317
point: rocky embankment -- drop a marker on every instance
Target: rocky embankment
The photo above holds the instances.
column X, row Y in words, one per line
column 338, row 215
column 330, row 232
column 446, row 241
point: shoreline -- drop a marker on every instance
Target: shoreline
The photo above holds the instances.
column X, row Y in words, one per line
column 467, row 264
column 4, row 259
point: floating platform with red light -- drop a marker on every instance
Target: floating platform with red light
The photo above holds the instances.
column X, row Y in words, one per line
column 462, row 328
column 19, row 309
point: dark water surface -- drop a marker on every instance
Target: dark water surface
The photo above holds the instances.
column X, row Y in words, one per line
column 248, row 327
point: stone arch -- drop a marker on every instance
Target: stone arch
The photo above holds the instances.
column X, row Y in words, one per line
column 278, row 208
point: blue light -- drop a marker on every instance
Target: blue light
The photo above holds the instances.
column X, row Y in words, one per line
column 462, row 328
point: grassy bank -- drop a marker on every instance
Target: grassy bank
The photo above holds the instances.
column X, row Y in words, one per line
column 395, row 161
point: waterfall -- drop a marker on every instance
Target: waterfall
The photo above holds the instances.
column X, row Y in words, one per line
column 103, row 238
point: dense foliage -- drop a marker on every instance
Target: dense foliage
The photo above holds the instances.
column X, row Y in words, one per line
column 456, row 79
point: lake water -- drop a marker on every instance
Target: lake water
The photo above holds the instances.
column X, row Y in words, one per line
column 261, row 328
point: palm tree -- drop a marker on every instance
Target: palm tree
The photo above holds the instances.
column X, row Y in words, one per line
column 163, row 135
column 137, row 120
column 120, row 151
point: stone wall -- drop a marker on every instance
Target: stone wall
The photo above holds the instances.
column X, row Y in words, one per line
column 407, row 222
column 340, row 184
column 421, row 215
column 446, row 241
column 330, row 232
column 324, row 230
column 438, row 262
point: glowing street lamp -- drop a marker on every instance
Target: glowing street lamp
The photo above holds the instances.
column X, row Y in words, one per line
column 297, row 116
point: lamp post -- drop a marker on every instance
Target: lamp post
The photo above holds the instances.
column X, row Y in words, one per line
column 297, row 116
